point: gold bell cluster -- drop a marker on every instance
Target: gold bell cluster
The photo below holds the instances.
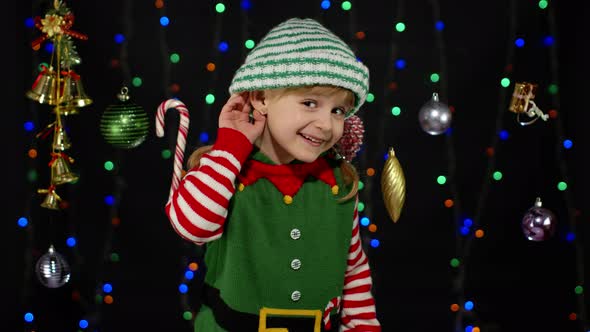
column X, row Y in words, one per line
column 59, row 86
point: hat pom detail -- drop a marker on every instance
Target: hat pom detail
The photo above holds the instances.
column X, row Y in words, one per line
column 352, row 138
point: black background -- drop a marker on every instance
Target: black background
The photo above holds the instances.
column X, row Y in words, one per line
column 517, row 285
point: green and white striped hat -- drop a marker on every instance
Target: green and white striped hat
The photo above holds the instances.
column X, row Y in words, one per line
column 301, row 52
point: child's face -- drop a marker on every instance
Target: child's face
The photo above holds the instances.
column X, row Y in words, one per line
column 302, row 124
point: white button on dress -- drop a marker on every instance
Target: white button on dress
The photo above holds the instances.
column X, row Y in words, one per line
column 295, row 296
column 295, row 234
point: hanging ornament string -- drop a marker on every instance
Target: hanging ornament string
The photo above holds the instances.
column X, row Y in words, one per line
column 181, row 138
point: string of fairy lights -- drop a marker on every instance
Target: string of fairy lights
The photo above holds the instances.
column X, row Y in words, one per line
column 439, row 78
column 104, row 292
column 105, row 288
column 562, row 145
column 466, row 316
column 191, row 258
column 26, row 221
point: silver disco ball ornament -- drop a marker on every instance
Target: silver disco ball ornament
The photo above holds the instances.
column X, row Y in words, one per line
column 52, row 269
column 434, row 116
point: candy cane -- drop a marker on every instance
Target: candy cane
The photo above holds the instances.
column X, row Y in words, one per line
column 181, row 138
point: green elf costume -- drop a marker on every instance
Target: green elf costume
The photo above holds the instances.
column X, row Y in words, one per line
column 281, row 251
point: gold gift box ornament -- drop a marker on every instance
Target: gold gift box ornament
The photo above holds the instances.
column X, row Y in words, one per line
column 522, row 103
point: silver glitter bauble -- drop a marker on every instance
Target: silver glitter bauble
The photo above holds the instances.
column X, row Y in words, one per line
column 52, row 269
column 434, row 116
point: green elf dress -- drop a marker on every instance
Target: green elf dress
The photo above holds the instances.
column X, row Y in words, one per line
column 283, row 251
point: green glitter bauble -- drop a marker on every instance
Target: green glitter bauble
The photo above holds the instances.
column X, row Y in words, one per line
column 124, row 125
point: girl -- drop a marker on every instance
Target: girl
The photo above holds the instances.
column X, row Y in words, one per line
column 275, row 207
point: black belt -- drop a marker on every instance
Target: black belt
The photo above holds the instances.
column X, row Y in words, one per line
column 237, row 321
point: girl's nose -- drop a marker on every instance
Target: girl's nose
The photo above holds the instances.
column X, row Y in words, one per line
column 324, row 120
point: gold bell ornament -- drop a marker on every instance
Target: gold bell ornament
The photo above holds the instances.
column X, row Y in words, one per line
column 393, row 186
column 44, row 89
column 73, row 95
column 60, row 169
column 61, row 142
column 522, row 103
column 51, row 200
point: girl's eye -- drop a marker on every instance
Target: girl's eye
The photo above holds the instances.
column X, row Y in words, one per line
column 339, row 111
column 310, row 103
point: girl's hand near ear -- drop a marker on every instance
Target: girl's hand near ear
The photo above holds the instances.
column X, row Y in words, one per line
column 235, row 114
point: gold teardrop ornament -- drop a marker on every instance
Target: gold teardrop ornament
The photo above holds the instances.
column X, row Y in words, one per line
column 393, row 186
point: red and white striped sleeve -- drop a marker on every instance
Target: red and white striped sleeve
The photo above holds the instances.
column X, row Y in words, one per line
column 198, row 207
column 358, row 306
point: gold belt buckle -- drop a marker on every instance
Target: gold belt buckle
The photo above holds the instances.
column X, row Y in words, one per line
column 317, row 314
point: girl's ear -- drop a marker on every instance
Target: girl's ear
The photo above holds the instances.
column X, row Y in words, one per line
column 258, row 101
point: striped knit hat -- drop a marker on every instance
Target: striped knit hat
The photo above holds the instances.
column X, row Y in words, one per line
column 300, row 52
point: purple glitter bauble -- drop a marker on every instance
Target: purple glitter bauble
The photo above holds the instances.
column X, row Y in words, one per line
column 538, row 224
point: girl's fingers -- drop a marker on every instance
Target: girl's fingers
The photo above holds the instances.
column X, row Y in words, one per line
column 235, row 102
column 258, row 116
column 246, row 108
